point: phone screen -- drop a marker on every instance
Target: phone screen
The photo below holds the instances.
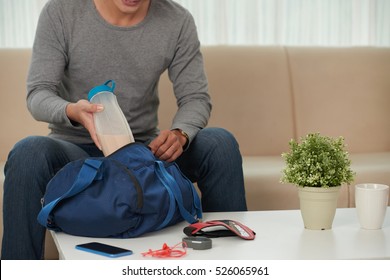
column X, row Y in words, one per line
column 104, row 249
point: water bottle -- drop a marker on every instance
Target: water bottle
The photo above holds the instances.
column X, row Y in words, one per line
column 111, row 126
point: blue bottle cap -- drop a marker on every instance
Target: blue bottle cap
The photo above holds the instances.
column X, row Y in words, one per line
column 104, row 87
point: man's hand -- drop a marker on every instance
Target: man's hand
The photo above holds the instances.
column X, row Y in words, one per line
column 82, row 112
column 168, row 145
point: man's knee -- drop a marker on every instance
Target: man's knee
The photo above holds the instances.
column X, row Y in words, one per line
column 32, row 146
column 36, row 153
column 218, row 139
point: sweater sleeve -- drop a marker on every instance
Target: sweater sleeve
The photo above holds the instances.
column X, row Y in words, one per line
column 47, row 66
column 187, row 74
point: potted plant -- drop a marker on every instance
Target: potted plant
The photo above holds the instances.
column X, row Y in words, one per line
column 318, row 166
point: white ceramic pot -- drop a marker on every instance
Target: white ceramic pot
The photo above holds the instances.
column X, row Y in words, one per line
column 318, row 206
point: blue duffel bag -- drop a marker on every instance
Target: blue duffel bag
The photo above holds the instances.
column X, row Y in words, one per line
column 127, row 194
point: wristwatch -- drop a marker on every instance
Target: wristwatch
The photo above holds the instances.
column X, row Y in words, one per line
column 186, row 136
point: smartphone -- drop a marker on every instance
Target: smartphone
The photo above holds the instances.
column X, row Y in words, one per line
column 104, row 249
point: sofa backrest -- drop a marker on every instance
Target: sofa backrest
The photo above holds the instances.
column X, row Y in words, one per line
column 250, row 92
column 343, row 92
column 269, row 95
column 264, row 95
column 16, row 121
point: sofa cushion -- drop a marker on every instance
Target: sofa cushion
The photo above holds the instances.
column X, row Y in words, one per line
column 266, row 192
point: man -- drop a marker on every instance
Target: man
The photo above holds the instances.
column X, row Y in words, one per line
column 80, row 44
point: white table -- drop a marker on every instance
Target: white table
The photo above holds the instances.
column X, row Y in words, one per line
column 280, row 235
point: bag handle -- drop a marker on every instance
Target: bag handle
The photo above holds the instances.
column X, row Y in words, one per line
column 85, row 177
column 173, row 189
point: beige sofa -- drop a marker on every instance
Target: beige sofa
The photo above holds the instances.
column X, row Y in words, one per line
column 265, row 96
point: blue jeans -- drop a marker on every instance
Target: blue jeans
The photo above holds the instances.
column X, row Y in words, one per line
column 213, row 160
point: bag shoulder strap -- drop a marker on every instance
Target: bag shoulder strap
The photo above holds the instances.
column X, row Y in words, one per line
column 173, row 190
column 85, row 177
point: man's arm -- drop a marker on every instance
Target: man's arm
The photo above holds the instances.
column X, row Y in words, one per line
column 48, row 62
column 186, row 72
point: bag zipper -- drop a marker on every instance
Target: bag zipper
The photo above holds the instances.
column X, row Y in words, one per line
column 133, row 178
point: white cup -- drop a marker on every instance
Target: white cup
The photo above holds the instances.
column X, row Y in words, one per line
column 371, row 204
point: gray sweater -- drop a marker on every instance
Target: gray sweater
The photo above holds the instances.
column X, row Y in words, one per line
column 75, row 49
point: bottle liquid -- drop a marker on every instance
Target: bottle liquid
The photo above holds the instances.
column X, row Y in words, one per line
column 111, row 126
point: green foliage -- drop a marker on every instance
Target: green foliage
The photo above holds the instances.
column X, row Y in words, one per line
column 318, row 161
